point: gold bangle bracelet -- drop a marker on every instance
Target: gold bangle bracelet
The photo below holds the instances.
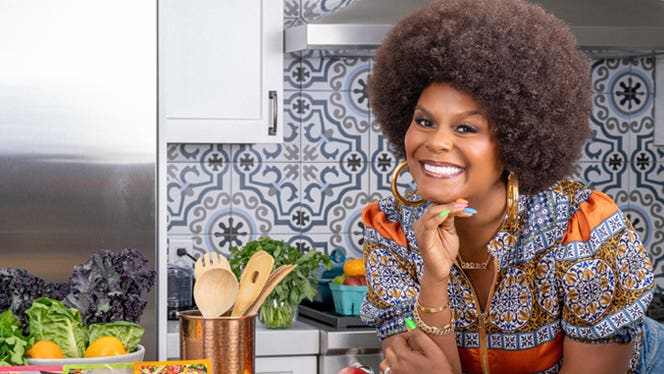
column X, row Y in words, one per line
column 433, row 330
column 426, row 309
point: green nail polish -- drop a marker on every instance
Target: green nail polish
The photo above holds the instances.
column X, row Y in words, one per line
column 410, row 324
column 444, row 213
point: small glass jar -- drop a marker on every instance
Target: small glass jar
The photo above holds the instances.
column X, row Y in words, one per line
column 278, row 314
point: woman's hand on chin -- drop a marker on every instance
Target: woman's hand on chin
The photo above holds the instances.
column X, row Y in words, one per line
column 437, row 238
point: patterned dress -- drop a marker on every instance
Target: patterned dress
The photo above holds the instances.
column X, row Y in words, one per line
column 575, row 267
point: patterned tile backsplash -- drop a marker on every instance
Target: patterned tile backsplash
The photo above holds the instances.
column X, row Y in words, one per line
column 309, row 190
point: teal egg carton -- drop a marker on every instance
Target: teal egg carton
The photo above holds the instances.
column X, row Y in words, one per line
column 347, row 299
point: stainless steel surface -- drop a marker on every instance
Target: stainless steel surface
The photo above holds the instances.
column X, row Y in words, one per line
column 334, row 341
column 78, row 135
column 342, row 347
column 332, row 364
column 632, row 26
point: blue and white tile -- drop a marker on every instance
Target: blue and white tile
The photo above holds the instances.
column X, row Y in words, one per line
column 193, row 190
column 312, row 10
column 381, row 168
column 353, row 239
column 379, row 185
column 332, row 130
column 286, row 151
column 224, row 243
column 604, row 176
column 321, row 72
column 292, row 13
column 608, row 140
column 319, row 242
column 631, row 86
column 643, row 202
column 602, row 72
column 382, row 178
column 645, row 65
column 379, row 147
column 293, row 71
column 326, row 243
column 266, row 196
column 213, row 154
column 642, row 115
column 329, row 192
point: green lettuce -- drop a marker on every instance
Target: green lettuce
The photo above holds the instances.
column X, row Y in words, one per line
column 130, row 333
column 51, row 320
column 12, row 341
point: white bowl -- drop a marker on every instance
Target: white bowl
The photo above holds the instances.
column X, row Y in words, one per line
column 134, row 356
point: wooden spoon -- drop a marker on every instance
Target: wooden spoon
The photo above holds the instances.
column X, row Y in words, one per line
column 210, row 261
column 272, row 281
column 252, row 280
column 215, row 292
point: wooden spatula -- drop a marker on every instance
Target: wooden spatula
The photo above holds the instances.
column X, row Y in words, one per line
column 252, row 280
column 215, row 292
column 210, row 261
column 272, row 281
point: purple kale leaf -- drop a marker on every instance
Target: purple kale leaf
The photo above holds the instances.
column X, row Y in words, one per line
column 18, row 289
column 108, row 287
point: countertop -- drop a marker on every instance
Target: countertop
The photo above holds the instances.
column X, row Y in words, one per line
column 300, row 339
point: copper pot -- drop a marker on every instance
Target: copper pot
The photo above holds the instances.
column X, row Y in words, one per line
column 228, row 342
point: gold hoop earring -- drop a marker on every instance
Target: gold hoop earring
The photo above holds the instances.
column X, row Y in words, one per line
column 395, row 191
column 512, row 200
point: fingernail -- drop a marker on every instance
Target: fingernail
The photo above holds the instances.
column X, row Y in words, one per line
column 469, row 211
column 410, row 324
column 462, row 201
column 458, row 205
column 444, row 213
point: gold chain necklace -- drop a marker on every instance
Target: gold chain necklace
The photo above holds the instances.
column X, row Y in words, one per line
column 474, row 265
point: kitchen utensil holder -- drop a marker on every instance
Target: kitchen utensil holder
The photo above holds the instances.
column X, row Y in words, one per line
column 228, row 342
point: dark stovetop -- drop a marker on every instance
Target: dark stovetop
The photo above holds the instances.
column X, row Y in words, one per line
column 328, row 316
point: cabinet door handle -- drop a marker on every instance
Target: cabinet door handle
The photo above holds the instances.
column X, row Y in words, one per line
column 275, row 112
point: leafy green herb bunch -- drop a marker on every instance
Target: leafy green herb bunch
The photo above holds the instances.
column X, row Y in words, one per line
column 277, row 309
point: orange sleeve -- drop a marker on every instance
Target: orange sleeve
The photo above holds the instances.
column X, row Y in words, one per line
column 373, row 217
column 591, row 213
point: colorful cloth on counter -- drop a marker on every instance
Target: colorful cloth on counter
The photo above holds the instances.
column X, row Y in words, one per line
column 576, row 268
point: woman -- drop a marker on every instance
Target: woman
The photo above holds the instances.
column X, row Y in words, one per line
column 504, row 265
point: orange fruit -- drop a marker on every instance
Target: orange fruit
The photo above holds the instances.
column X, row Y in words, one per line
column 105, row 346
column 45, row 349
column 354, row 267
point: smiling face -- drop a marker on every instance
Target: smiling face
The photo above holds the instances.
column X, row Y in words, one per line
column 450, row 148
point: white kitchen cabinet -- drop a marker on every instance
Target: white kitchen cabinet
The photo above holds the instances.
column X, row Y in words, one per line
column 221, row 70
column 286, row 365
column 278, row 351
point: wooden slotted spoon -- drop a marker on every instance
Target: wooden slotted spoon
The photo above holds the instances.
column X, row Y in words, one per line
column 210, row 261
column 272, row 281
column 252, row 280
column 215, row 292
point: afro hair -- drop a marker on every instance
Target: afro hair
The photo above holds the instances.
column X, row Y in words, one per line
column 516, row 60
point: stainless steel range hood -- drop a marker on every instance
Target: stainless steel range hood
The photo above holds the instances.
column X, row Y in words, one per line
column 630, row 26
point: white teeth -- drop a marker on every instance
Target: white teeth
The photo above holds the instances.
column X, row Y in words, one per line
column 443, row 170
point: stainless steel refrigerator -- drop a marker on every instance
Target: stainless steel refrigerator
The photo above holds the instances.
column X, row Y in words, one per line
column 78, row 135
